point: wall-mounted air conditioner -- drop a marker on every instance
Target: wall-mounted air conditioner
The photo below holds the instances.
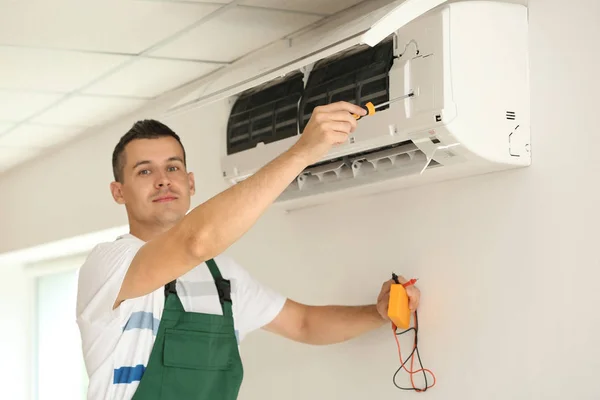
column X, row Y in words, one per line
column 465, row 65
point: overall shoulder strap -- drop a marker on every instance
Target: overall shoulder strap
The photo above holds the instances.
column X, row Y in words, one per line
column 223, row 287
column 214, row 270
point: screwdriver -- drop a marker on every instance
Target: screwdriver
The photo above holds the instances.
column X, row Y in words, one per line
column 371, row 108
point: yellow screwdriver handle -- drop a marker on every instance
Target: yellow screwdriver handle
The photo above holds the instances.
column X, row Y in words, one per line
column 370, row 111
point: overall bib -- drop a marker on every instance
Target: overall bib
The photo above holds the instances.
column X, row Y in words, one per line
column 195, row 356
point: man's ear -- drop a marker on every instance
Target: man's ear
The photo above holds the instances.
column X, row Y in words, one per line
column 116, row 188
column 192, row 183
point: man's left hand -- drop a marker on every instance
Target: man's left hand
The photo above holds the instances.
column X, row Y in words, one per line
column 413, row 292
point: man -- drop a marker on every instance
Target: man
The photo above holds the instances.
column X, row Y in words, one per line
column 161, row 310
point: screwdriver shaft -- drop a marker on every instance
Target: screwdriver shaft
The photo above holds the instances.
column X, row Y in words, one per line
column 394, row 100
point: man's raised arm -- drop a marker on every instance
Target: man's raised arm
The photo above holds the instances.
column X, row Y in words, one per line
column 213, row 226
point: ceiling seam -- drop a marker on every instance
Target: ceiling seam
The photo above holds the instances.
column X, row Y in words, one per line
column 112, row 53
column 250, row 6
column 56, row 93
column 208, row 17
column 299, row 12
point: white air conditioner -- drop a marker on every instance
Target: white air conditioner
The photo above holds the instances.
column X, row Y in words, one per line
column 465, row 65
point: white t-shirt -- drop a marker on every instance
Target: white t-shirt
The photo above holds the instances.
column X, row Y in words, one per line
column 117, row 343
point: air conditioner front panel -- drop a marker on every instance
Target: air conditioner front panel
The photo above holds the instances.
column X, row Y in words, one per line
column 419, row 69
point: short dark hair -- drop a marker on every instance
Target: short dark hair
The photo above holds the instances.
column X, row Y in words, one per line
column 144, row 129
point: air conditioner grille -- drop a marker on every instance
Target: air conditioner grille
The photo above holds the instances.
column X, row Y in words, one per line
column 265, row 115
column 396, row 160
column 356, row 76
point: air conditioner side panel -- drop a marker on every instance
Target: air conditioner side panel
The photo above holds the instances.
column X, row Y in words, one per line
column 488, row 64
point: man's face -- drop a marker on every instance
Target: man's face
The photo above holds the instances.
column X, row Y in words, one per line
column 156, row 188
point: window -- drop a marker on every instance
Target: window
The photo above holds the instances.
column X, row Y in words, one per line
column 59, row 369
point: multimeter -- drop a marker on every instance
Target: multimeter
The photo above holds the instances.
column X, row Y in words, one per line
column 398, row 310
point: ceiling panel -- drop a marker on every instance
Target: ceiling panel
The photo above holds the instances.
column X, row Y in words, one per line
column 33, row 135
column 87, row 111
column 52, row 70
column 150, row 77
column 313, row 6
column 235, row 33
column 121, row 26
column 12, row 156
column 20, row 105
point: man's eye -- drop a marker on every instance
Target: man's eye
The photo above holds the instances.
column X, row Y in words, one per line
column 144, row 172
column 171, row 169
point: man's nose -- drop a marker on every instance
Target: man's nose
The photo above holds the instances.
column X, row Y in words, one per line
column 163, row 181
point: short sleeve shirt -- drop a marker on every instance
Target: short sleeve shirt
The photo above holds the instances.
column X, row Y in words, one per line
column 117, row 343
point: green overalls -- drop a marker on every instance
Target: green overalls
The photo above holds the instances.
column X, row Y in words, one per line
column 195, row 356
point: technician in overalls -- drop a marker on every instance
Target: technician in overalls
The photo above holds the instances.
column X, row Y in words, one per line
column 161, row 309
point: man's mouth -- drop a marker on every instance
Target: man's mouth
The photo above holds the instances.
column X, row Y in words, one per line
column 164, row 199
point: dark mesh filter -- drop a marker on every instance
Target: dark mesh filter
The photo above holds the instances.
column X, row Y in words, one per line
column 265, row 115
column 281, row 109
column 357, row 77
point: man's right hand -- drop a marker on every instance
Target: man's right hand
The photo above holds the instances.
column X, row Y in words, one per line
column 328, row 126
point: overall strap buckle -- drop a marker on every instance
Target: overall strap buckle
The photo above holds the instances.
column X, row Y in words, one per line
column 170, row 288
column 224, row 289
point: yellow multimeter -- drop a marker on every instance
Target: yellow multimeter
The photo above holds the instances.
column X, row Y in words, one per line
column 398, row 310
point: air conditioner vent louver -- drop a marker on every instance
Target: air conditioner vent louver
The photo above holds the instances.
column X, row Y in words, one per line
column 398, row 159
column 265, row 115
column 358, row 76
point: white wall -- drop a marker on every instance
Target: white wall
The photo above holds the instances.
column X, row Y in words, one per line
column 507, row 262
